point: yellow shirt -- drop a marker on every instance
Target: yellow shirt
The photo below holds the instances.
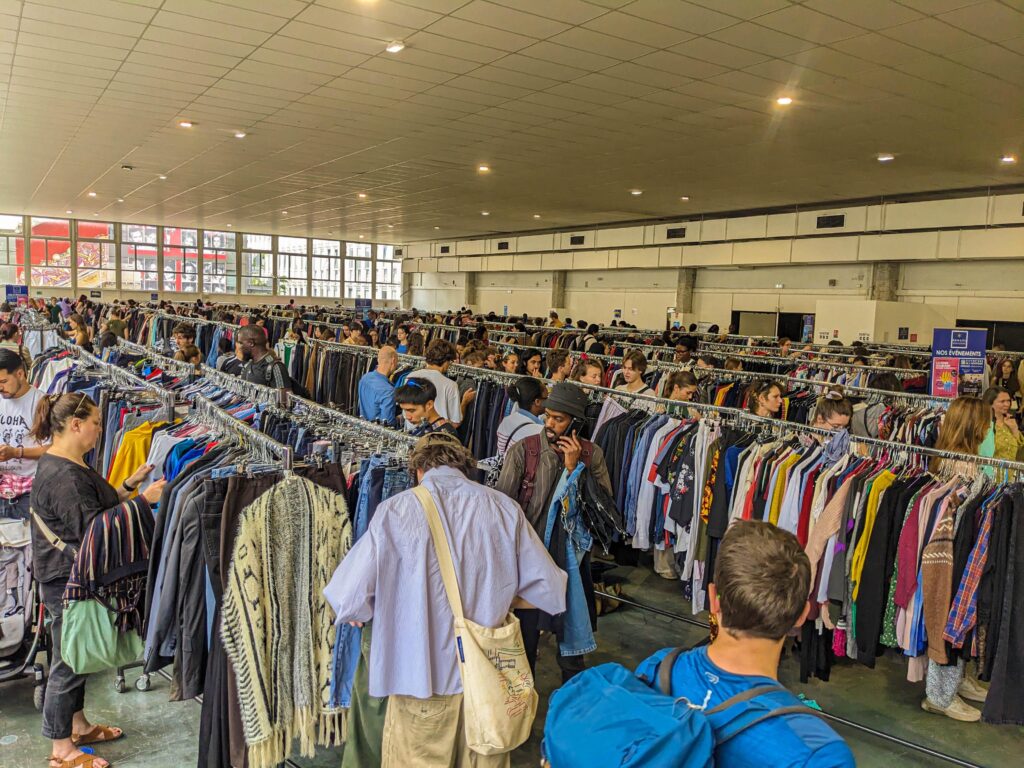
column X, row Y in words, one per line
column 860, row 551
column 780, row 487
column 132, row 453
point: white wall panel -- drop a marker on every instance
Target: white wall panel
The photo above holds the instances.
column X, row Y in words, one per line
column 712, row 230
column 807, row 221
column 439, row 249
column 781, row 225
column 618, row 236
column 746, row 227
column 949, row 245
column 428, row 265
column 526, row 243
column 637, row 257
column 470, row 247
column 516, row 280
column 528, row 262
column 499, row 263
column 533, row 302
column 590, row 260
column 762, row 252
column 961, row 212
column 1008, row 209
column 693, row 232
column 410, row 266
column 564, row 240
column 418, row 250
column 911, row 246
column 556, row 261
column 670, row 256
column 513, row 245
column 471, row 264
column 448, row 264
column 825, row 249
column 707, row 255
column 992, row 243
column 443, row 280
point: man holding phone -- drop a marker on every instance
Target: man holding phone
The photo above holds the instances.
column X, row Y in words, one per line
column 534, row 472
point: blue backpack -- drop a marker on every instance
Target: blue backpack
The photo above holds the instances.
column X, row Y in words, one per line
column 608, row 718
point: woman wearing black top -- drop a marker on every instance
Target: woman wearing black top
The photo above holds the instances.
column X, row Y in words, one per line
column 66, row 495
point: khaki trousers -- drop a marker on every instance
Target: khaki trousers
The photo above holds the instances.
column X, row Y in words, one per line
column 429, row 733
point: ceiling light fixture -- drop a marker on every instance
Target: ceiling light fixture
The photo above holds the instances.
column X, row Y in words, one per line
column 485, row 213
column 436, row 227
column 536, row 215
column 284, row 213
column 685, row 199
column 1008, row 159
column 69, row 211
column 784, row 101
column 483, row 168
column 885, row 157
column 92, row 194
column 162, row 177
column 362, row 195
column 230, row 225
column 239, row 134
column 362, row 236
column 391, row 226
column 185, row 123
column 120, row 199
column 395, row 46
column 636, row 192
column 95, row 214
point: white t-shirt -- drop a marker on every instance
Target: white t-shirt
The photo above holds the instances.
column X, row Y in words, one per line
column 16, row 417
column 448, row 404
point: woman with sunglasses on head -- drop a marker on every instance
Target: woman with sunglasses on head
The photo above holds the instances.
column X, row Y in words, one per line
column 66, row 495
column 832, row 411
column 764, row 398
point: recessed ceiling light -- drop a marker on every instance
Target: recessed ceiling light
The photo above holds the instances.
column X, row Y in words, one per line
column 362, row 195
column 395, row 46
column 485, row 213
column 239, row 134
column 185, row 123
column 230, row 225
column 69, row 211
column 483, row 168
column 284, row 213
column 436, row 227
column 784, row 101
column 885, row 157
column 391, row 226
column 1008, row 159
column 685, row 199
column 95, row 214
column 362, row 236
column 536, row 215
column 120, row 199
column 636, row 192
column 163, row 177
column 92, row 194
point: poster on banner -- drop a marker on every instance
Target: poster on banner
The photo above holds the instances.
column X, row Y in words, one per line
column 363, row 306
column 958, row 362
column 16, row 294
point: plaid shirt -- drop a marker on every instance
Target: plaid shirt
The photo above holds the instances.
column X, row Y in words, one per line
column 964, row 612
column 12, row 486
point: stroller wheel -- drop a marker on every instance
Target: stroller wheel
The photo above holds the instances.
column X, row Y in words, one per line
column 142, row 683
column 119, row 684
column 38, row 695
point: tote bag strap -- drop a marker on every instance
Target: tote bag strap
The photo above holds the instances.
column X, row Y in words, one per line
column 442, row 549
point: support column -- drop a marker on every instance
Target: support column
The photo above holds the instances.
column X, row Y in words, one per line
column 407, row 290
column 558, row 290
column 472, row 297
column 885, row 281
column 686, row 278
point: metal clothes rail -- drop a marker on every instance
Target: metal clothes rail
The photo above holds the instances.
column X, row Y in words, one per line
column 208, row 411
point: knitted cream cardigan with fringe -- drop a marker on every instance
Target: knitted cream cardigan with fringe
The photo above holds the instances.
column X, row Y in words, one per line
column 276, row 624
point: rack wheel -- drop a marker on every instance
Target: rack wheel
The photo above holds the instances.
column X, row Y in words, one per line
column 142, row 683
column 119, row 684
column 38, row 694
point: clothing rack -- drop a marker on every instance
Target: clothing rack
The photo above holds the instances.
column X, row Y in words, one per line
column 123, row 378
column 207, row 411
column 362, row 351
column 388, row 435
column 196, row 320
column 177, row 367
column 257, row 393
column 737, row 415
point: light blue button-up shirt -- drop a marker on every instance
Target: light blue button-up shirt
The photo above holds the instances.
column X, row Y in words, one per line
column 392, row 576
column 376, row 398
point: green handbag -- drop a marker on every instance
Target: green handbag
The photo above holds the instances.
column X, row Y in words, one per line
column 90, row 641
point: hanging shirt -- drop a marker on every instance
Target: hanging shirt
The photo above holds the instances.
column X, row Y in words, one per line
column 518, row 424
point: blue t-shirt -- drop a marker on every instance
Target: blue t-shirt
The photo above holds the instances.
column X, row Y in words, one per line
column 376, row 398
column 786, row 741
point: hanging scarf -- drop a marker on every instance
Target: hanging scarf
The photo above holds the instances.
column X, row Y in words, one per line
column 276, row 624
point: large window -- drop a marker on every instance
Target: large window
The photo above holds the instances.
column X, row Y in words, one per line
column 12, row 250
column 138, row 258
column 181, row 260
column 358, row 271
column 326, row 269
column 257, row 265
column 389, row 274
column 291, row 266
column 51, row 252
column 219, row 262
column 97, row 255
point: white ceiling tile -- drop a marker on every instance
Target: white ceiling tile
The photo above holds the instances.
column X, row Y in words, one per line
column 481, row 34
column 167, row 51
column 286, row 9
column 646, row 75
column 809, row 25
column 502, row 17
column 224, row 14
column 680, row 65
column 992, row 21
column 579, row 60
column 761, row 39
column 47, row 43
column 870, row 14
column 605, row 45
column 569, row 11
column 932, row 34
column 460, row 49
column 315, row 51
column 638, row 30
column 197, row 26
column 281, row 58
column 313, row 33
column 81, row 34
column 197, row 42
column 386, row 11
column 681, row 15
column 931, row 7
column 439, row 6
column 706, row 49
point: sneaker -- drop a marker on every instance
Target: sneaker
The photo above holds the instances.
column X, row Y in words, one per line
column 972, row 690
column 957, row 710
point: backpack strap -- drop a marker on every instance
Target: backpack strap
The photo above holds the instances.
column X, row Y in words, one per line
column 724, row 734
column 531, row 454
column 55, row 541
column 524, row 424
column 665, row 670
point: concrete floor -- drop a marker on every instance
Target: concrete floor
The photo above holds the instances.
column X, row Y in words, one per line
column 164, row 735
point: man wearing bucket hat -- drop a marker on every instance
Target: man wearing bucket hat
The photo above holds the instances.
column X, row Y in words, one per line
column 535, row 472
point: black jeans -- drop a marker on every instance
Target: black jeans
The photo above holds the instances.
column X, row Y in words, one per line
column 529, row 623
column 65, row 691
column 16, row 508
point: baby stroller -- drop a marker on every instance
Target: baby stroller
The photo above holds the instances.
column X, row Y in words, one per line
column 22, row 634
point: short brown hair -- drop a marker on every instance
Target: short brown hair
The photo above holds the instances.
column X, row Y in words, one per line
column 680, row 379
column 557, row 358
column 439, row 352
column 763, row 580
column 636, row 357
column 439, row 449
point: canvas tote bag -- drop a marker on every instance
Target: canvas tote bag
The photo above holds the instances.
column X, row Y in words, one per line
column 499, row 698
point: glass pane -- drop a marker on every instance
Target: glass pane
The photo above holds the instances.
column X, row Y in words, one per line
column 357, row 271
column 181, row 269
column 256, row 242
column 132, row 280
column 51, row 227
column 326, row 248
column 12, row 256
column 140, row 257
column 138, row 233
column 97, row 230
column 96, row 265
column 178, row 236
column 388, row 292
column 219, row 270
column 291, row 245
column 11, row 225
column 55, row 253
column 258, row 286
column 325, row 268
column 389, row 272
column 358, row 290
column 386, row 252
column 51, row 277
column 257, row 264
column 359, row 250
column 326, row 289
column 218, row 239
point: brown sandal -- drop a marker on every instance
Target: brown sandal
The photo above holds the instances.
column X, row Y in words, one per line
column 84, row 760
column 98, row 735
